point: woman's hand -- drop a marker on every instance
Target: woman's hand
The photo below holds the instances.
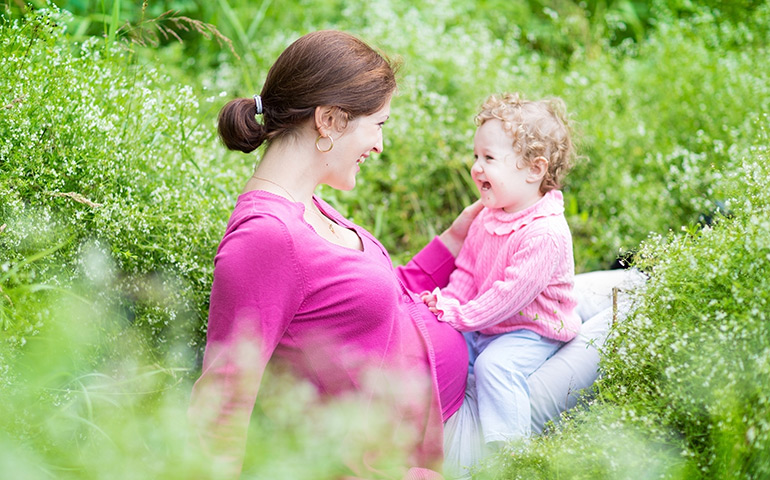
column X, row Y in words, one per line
column 454, row 236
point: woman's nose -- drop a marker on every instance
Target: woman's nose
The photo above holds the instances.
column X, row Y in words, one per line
column 378, row 146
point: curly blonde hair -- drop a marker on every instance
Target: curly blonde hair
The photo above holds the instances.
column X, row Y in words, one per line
column 538, row 129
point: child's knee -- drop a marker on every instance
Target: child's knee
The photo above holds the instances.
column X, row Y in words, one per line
column 492, row 366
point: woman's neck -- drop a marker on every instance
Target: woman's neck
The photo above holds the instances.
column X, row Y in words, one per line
column 285, row 172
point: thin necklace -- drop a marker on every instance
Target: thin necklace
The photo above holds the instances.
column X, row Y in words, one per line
column 325, row 219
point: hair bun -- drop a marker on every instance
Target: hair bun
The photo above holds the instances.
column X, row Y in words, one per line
column 238, row 126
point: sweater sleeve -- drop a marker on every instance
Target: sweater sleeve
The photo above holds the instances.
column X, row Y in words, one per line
column 462, row 285
column 429, row 269
column 528, row 273
column 256, row 292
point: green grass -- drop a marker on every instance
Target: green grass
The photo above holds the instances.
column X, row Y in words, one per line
column 114, row 193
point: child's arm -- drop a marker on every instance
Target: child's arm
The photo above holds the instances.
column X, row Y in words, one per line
column 529, row 272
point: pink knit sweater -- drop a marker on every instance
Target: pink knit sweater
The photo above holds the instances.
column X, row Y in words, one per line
column 515, row 271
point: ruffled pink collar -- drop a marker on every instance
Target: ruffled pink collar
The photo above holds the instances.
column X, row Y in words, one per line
column 499, row 222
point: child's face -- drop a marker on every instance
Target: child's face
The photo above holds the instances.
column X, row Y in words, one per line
column 499, row 171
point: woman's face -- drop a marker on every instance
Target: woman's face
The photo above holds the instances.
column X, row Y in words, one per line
column 499, row 171
column 361, row 137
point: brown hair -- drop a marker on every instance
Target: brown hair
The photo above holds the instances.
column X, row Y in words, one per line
column 538, row 129
column 326, row 67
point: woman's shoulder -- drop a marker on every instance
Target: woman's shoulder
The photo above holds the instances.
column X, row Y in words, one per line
column 262, row 239
column 265, row 207
column 263, row 219
column 266, row 203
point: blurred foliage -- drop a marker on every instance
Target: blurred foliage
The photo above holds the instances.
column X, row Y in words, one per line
column 97, row 153
column 114, row 193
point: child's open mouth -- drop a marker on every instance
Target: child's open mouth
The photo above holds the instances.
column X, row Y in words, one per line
column 486, row 186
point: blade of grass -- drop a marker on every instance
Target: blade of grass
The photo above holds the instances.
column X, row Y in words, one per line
column 235, row 23
column 113, row 25
column 32, row 258
column 258, row 17
column 380, row 223
column 91, row 424
column 243, row 39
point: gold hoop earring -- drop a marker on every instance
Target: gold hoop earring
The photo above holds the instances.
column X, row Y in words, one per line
column 318, row 145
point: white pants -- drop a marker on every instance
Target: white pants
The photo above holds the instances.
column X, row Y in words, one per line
column 557, row 384
column 501, row 365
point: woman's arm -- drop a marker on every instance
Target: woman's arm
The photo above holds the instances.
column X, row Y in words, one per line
column 431, row 267
column 250, row 310
column 454, row 236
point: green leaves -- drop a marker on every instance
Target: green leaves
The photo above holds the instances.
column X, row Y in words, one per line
column 694, row 353
column 108, row 151
column 99, row 149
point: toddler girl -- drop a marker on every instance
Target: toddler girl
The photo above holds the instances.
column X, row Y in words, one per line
column 511, row 292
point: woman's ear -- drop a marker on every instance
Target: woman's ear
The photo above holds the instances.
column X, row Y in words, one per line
column 330, row 120
column 537, row 169
column 324, row 120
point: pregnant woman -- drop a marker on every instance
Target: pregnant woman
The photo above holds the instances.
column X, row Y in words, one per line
column 297, row 284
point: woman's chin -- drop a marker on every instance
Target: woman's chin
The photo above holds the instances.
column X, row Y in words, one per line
column 344, row 186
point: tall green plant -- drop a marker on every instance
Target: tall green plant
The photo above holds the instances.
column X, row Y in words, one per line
column 695, row 352
column 98, row 149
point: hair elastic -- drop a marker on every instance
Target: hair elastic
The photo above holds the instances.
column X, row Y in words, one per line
column 258, row 104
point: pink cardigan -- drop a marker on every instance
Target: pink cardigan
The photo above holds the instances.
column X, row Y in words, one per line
column 515, row 271
column 344, row 319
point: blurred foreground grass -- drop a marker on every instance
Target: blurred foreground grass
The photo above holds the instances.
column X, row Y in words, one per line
column 114, row 193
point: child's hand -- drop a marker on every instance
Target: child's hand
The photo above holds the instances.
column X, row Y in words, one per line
column 430, row 300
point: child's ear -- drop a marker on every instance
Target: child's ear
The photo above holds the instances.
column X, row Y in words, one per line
column 537, row 169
